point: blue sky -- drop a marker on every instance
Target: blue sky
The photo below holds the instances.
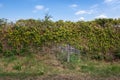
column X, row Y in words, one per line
column 59, row 9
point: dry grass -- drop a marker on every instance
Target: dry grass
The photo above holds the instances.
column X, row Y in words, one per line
column 48, row 67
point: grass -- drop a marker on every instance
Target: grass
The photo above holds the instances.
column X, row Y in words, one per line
column 101, row 69
column 94, row 68
column 35, row 65
column 28, row 65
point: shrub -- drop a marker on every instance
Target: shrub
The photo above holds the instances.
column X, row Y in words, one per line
column 74, row 58
column 8, row 53
column 98, row 57
column 1, row 48
column 90, row 37
column 117, row 54
column 17, row 67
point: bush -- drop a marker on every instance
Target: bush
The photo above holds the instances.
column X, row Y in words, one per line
column 98, row 57
column 90, row 37
column 1, row 48
column 24, row 51
column 8, row 53
column 117, row 54
column 62, row 57
column 74, row 58
column 17, row 67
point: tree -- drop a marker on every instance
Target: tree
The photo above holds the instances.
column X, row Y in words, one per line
column 3, row 21
column 46, row 21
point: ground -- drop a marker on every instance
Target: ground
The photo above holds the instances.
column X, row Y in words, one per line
column 49, row 67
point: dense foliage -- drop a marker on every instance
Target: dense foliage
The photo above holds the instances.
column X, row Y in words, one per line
column 98, row 39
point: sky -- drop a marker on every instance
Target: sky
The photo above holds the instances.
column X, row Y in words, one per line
column 72, row 10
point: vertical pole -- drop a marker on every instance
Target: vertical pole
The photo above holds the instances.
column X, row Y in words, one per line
column 68, row 54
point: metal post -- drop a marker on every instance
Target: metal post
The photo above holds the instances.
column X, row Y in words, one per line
column 68, row 53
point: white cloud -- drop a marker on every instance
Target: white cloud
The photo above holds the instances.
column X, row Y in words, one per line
column 108, row 1
column 39, row 7
column 112, row 2
column 80, row 12
column 94, row 9
column 101, row 16
column 82, row 18
column 79, row 19
column 73, row 5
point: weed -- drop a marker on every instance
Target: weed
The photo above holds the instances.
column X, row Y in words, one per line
column 8, row 53
column 9, row 59
column 1, row 48
column 17, row 67
column 74, row 58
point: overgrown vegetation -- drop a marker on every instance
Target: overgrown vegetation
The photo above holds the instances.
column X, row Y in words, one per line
column 42, row 65
column 98, row 39
column 31, row 47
